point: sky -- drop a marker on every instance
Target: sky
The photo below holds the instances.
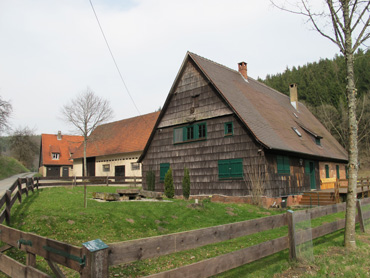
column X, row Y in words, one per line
column 51, row 51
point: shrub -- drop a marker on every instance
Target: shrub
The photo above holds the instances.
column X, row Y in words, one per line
column 150, row 180
column 186, row 184
column 169, row 189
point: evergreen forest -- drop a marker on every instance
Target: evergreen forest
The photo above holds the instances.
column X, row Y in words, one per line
column 322, row 88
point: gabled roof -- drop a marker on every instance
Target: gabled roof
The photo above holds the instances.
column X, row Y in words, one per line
column 265, row 112
column 125, row 136
column 50, row 144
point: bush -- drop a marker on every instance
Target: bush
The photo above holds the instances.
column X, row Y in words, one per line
column 150, row 180
column 169, row 189
column 186, row 184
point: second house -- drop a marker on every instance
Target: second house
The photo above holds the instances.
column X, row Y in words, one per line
column 114, row 148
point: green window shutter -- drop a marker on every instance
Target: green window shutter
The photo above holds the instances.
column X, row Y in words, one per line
column 223, row 169
column 338, row 175
column 163, row 170
column 283, row 164
column 347, row 173
column 236, row 166
column 307, row 169
column 327, row 171
column 230, row 168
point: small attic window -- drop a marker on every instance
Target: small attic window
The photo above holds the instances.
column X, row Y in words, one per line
column 297, row 131
column 55, row 156
column 318, row 141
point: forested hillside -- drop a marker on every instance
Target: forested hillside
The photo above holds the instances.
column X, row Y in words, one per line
column 321, row 87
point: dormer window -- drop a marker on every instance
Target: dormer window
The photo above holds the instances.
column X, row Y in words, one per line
column 55, row 156
column 297, row 131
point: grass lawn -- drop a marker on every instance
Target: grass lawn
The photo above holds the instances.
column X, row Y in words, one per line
column 10, row 166
column 58, row 213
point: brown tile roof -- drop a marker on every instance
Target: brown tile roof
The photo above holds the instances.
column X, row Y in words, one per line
column 267, row 113
column 50, row 144
column 125, row 136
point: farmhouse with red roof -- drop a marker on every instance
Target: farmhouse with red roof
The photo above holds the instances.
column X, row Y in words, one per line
column 55, row 154
column 114, row 148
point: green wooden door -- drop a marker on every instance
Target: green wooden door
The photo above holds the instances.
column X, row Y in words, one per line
column 310, row 171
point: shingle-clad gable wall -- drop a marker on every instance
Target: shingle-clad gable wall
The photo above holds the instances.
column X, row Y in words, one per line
column 189, row 87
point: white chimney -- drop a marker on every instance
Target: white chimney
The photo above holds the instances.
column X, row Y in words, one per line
column 293, row 95
column 59, row 137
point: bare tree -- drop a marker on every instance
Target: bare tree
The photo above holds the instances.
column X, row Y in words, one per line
column 5, row 112
column 23, row 146
column 255, row 178
column 85, row 113
column 345, row 23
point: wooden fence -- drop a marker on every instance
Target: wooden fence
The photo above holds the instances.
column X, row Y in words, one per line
column 95, row 262
column 84, row 260
column 93, row 180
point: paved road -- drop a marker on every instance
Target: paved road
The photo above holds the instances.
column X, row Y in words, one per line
column 8, row 182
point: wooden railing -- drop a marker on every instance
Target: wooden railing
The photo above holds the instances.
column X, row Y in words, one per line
column 146, row 248
column 84, row 260
column 89, row 180
column 90, row 262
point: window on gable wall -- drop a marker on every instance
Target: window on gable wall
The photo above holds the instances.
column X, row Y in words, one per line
column 190, row 133
column 229, row 129
column 55, row 156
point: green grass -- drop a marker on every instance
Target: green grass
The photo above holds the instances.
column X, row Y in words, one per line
column 58, row 213
column 10, row 166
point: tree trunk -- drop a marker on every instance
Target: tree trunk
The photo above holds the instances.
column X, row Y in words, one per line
column 349, row 237
column 85, row 173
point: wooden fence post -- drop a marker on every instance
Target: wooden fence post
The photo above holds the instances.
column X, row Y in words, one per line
column 8, row 198
column 97, row 265
column 107, row 181
column 360, row 216
column 19, row 193
column 291, row 235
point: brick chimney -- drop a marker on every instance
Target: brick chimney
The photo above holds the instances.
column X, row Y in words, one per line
column 242, row 66
column 293, row 95
column 59, row 137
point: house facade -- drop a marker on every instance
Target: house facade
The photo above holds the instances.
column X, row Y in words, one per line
column 114, row 148
column 55, row 154
column 234, row 134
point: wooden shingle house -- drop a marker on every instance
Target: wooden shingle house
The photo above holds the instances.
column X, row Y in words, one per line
column 114, row 148
column 233, row 132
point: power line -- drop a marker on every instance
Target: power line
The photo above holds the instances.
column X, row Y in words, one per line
column 114, row 60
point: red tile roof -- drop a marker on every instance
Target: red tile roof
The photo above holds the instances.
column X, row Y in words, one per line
column 50, row 144
column 125, row 136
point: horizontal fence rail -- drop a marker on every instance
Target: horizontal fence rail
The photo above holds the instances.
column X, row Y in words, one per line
column 88, row 180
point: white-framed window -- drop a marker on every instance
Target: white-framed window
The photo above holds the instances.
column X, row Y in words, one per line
column 106, row 167
column 135, row 166
column 55, row 156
